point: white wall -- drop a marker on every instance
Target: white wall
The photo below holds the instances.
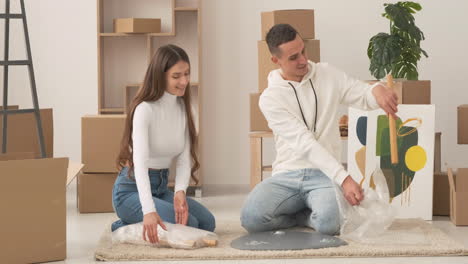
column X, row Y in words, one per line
column 63, row 43
column 63, row 36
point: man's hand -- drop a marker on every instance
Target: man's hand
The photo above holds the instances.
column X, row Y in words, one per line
column 352, row 191
column 181, row 208
column 386, row 98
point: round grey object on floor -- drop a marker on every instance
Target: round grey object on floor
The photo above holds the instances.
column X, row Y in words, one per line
column 286, row 240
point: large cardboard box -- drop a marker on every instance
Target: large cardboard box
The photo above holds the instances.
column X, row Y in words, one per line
column 100, row 138
column 95, row 192
column 441, row 194
column 257, row 120
column 458, row 182
column 412, row 92
column 33, row 206
column 438, row 152
column 137, row 25
column 22, row 133
column 265, row 65
column 462, row 111
column 301, row 19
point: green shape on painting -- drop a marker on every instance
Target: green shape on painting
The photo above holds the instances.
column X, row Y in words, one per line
column 399, row 176
column 383, row 137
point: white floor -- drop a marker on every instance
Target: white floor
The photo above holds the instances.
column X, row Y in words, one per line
column 84, row 230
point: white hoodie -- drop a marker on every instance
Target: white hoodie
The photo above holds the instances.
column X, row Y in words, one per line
column 297, row 145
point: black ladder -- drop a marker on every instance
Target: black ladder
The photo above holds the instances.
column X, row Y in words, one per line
column 6, row 63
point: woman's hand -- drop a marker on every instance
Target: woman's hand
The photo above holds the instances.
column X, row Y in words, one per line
column 150, row 227
column 180, row 208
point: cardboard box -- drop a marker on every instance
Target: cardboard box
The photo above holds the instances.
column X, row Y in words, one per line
column 17, row 156
column 441, row 197
column 257, row 120
column 10, row 107
column 462, row 123
column 95, row 192
column 100, row 138
column 411, row 92
column 22, row 133
column 265, row 65
column 137, row 25
column 33, row 204
column 438, row 152
column 300, row 19
column 458, row 196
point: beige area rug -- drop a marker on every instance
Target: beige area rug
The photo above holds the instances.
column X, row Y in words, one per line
column 410, row 237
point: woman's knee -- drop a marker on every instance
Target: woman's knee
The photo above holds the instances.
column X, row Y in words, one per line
column 207, row 222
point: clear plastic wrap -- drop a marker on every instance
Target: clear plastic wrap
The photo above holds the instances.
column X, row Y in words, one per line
column 176, row 236
column 372, row 217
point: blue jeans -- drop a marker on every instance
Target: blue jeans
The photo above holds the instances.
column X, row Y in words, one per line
column 126, row 202
column 303, row 197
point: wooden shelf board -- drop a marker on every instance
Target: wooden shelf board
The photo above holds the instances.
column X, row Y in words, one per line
column 262, row 134
column 186, row 9
column 164, row 34
column 267, row 168
column 112, row 110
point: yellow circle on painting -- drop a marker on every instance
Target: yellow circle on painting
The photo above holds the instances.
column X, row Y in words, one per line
column 415, row 158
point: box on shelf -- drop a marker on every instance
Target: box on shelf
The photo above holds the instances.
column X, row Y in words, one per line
column 137, row 25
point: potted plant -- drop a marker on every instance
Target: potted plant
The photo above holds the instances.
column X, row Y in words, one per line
column 399, row 51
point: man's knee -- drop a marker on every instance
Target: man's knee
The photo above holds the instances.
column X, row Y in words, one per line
column 254, row 221
column 327, row 222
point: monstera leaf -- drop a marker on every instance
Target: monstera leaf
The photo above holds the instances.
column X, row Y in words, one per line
column 383, row 51
column 398, row 52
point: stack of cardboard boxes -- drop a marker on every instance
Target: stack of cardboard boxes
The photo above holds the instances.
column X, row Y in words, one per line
column 458, row 180
column 32, row 193
column 100, row 138
column 303, row 22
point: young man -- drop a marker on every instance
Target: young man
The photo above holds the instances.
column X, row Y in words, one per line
column 301, row 107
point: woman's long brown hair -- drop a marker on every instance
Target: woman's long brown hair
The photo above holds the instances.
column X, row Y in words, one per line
column 154, row 86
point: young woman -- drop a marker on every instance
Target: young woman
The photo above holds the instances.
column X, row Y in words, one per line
column 159, row 128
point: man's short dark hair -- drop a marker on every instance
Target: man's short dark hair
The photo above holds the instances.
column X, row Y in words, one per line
column 279, row 34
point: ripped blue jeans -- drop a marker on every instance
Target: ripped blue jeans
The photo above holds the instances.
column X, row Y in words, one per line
column 303, row 197
column 126, row 202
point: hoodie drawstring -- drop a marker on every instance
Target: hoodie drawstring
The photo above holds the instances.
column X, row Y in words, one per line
column 300, row 107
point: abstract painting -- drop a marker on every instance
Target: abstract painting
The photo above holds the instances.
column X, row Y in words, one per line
column 410, row 179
